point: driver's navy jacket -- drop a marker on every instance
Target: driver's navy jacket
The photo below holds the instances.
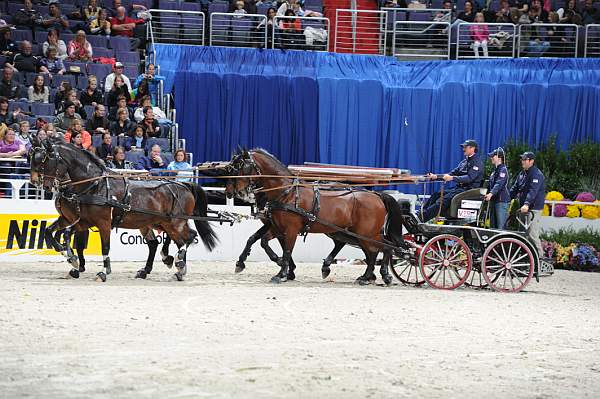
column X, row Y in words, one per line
column 499, row 184
column 469, row 172
column 530, row 188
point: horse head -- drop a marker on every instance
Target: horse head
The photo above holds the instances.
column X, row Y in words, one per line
column 48, row 167
column 241, row 165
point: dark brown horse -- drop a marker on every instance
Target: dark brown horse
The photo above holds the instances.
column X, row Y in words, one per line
column 106, row 200
column 353, row 216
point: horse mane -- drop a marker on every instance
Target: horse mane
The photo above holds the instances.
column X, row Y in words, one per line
column 271, row 157
column 93, row 158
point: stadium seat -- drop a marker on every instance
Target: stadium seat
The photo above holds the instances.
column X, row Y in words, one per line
column 58, row 79
column 30, row 77
column 101, row 71
column 18, row 35
column 217, row 7
column 310, row 4
column 134, row 156
column 191, row 6
column 128, row 57
column 89, row 110
column 12, row 9
column 23, row 105
column 67, row 37
column 168, row 5
column 97, row 41
column 42, row 108
column 119, row 43
column 162, row 142
column 41, row 36
column 104, row 52
column 167, row 157
column 131, row 71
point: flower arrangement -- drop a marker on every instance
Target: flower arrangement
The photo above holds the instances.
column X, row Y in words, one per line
column 591, row 211
column 573, row 249
column 572, row 211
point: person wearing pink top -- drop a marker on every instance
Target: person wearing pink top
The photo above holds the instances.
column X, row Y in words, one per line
column 480, row 35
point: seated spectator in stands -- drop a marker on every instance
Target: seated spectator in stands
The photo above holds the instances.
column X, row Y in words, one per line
column 152, row 79
column 55, row 19
column 113, row 11
column 71, row 98
column 100, row 26
column 41, row 124
column 239, row 9
column 41, row 135
column 140, row 92
column 556, row 38
column 10, row 147
column 138, row 115
column 24, row 134
column 91, row 95
column 98, row 123
column 118, row 159
column 519, row 7
column 79, row 48
column 569, row 14
column 38, row 92
column 181, row 166
column 9, row 87
column 76, row 139
column 8, row 48
column 122, row 25
column 271, row 13
column 51, row 131
column 150, row 124
column 468, row 14
column 536, row 13
column 6, row 118
column 292, row 29
column 121, row 104
column 110, row 79
column 590, row 14
column 122, row 126
column 152, row 161
column 118, row 89
column 503, row 14
column 299, row 12
column 480, row 35
column 444, row 16
column 137, row 141
column 249, row 6
column 61, row 95
column 91, row 11
column 53, row 65
column 105, row 149
column 28, row 18
column 25, row 61
column 77, row 129
column 64, row 120
column 53, row 39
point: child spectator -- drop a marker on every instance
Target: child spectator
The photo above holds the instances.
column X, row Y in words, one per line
column 181, row 166
column 76, row 130
column 137, row 142
column 24, row 137
column 38, row 92
column 53, row 65
column 480, row 35
column 239, row 9
column 91, row 95
column 79, row 48
column 53, row 39
column 146, row 101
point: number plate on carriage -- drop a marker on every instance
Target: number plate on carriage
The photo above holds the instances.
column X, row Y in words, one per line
column 470, row 204
column 467, row 213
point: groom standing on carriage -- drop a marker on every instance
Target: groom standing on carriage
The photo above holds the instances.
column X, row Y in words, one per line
column 467, row 175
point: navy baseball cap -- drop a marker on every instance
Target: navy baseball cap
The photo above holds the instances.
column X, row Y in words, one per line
column 527, row 155
column 469, row 143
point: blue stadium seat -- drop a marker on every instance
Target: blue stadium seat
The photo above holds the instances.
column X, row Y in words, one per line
column 89, row 110
column 134, row 156
column 168, row 5
column 30, row 76
column 97, row 41
column 42, row 108
column 58, row 79
column 13, row 8
column 19, row 35
column 104, row 52
column 162, row 142
column 191, row 6
column 41, row 36
column 23, row 105
column 217, row 7
column 101, row 71
column 119, row 43
column 128, row 57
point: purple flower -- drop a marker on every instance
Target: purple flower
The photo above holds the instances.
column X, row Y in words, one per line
column 585, row 197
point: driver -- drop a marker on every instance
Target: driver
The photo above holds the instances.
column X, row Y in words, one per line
column 467, row 175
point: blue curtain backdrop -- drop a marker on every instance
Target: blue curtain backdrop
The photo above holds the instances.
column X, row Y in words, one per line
column 374, row 111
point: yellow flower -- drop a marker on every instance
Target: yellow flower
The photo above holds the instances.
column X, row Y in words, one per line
column 546, row 211
column 590, row 211
column 573, row 211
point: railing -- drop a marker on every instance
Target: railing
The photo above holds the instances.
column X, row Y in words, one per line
column 237, row 30
column 178, row 27
column 548, row 40
column 429, row 40
column 592, row 41
column 360, row 31
column 415, row 15
column 14, row 180
column 500, row 43
column 552, row 204
column 313, row 33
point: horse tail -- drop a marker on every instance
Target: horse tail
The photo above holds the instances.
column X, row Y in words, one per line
column 207, row 234
column 394, row 221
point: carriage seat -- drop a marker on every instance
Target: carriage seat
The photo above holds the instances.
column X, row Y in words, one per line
column 473, row 194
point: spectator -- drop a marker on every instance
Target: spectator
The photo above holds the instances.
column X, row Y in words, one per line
column 28, row 18
column 239, row 11
column 77, row 129
column 181, row 166
column 151, row 126
column 71, row 97
column 53, row 39
column 64, row 120
column 519, row 7
column 98, row 123
column 118, row 159
column 557, row 41
column 152, row 161
column 122, row 126
column 152, row 79
column 468, row 14
column 91, row 11
column 249, row 6
column 121, row 104
column 590, row 14
column 6, row 117
column 536, row 13
column 38, row 92
column 25, row 61
column 100, row 26
column 137, row 142
column 292, row 29
column 9, row 88
column 41, row 124
column 105, row 149
column 8, row 48
column 568, row 14
column 79, row 48
column 140, row 92
column 118, row 89
column 61, row 95
column 138, row 115
column 91, row 95
column 110, row 79
column 10, row 147
column 122, row 25
column 41, row 135
column 51, row 131
column 55, row 19
column 53, row 65
column 76, row 139
column 113, row 11
column 503, row 14
column 480, row 35
column 299, row 12
column 271, row 13
column 24, row 135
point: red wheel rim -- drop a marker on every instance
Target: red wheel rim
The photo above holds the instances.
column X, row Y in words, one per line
column 446, row 262
column 507, row 265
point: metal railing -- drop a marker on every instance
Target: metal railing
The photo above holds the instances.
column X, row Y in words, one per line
column 360, row 31
column 14, row 180
column 592, row 41
column 420, row 40
column 237, row 30
column 178, row 27
column 415, row 15
column 300, row 33
column 548, row 40
column 500, row 43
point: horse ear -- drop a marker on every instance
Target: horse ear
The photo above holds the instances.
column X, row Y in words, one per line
column 48, row 145
column 245, row 152
column 35, row 142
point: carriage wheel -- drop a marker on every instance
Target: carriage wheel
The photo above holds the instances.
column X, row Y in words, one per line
column 445, row 262
column 406, row 271
column 507, row 265
column 476, row 280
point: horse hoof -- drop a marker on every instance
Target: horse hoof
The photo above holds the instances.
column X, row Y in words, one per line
column 74, row 273
column 278, row 279
column 81, row 268
column 362, row 281
column 291, row 276
column 178, row 276
column 239, row 267
column 141, row 274
column 108, row 270
column 325, row 272
column 168, row 260
column 387, row 280
column 101, row 277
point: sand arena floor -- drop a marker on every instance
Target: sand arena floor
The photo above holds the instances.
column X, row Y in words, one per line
column 221, row 335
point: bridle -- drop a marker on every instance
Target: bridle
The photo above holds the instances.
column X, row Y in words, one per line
column 245, row 165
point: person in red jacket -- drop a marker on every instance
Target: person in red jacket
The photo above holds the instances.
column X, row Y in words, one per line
column 76, row 129
column 122, row 25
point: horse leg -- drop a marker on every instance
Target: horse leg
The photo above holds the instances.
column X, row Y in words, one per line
column 239, row 265
column 292, row 266
column 384, row 269
column 164, row 252
column 81, row 239
column 177, row 231
column 288, row 243
column 51, row 235
column 152, row 243
column 69, row 254
column 105, row 241
column 369, row 276
column 325, row 270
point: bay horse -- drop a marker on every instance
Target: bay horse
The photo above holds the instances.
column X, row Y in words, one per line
column 354, row 216
column 107, row 200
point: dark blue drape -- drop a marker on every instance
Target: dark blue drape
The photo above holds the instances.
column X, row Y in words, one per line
column 374, row 111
